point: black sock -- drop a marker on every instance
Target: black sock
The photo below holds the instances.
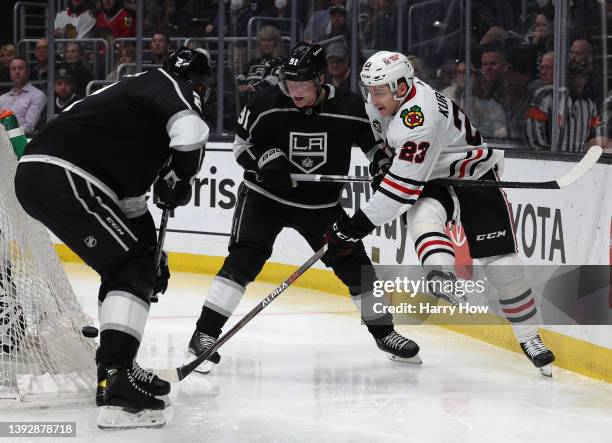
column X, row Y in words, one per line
column 211, row 322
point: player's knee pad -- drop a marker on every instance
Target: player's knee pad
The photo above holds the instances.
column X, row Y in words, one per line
column 224, row 295
column 513, row 291
column 426, row 222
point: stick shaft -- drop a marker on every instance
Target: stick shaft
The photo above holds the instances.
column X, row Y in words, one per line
column 161, row 237
column 185, row 370
column 577, row 171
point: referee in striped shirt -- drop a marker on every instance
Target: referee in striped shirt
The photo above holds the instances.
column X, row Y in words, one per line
column 578, row 113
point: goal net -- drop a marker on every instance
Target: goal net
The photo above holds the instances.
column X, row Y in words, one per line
column 43, row 355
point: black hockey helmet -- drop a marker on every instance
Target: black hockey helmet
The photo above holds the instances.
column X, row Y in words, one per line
column 194, row 65
column 306, row 61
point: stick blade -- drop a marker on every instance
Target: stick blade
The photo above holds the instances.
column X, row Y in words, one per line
column 582, row 167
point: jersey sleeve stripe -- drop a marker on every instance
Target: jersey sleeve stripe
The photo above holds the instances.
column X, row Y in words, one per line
column 464, row 165
column 401, row 188
column 395, row 197
column 453, row 166
column 482, row 160
column 405, row 180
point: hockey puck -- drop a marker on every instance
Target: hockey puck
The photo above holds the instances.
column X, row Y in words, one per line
column 90, row 331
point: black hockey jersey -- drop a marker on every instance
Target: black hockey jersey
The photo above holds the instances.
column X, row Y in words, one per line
column 119, row 137
column 316, row 141
column 261, row 73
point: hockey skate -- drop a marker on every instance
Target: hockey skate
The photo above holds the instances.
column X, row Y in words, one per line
column 145, row 379
column 539, row 355
column 438, row 283
column 399, row 348
column 128, row 402
column 198, row 345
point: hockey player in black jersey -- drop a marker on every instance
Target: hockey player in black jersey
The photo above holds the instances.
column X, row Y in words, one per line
column 300, row 126
column 85, row 177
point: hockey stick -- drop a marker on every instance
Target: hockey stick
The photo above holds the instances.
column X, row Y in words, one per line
column 174, row 375
column 579, row 169
column 160, row 247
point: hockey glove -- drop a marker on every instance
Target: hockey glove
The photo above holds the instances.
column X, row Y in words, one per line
column 342, row 236
column 171, row 191
column 274, row 170
column 161, row 280
column 381, row 162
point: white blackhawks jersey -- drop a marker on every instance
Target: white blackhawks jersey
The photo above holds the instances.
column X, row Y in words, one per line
column 432, row 138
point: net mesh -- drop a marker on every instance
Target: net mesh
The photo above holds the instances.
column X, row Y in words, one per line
column 43, row 354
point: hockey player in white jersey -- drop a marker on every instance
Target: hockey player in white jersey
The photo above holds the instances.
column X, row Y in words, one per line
column 433, row 138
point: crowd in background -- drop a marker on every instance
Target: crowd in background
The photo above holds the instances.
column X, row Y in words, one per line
column 511, row 68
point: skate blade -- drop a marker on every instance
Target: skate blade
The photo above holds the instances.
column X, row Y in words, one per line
column 416, row 360
column 546, row 371
column 115, row 417
column 204, row 367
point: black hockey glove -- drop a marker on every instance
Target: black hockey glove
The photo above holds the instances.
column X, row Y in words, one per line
column 161, row 280
column 381, row 162
column 171, row 191
column 274, row 170
column 342, row 236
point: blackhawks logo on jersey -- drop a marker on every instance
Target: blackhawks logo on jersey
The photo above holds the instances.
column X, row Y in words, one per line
column 413, row 117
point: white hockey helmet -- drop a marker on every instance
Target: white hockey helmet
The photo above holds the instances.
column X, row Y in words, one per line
column 386, row 68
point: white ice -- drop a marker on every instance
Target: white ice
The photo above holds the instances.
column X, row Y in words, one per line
column 305, row 369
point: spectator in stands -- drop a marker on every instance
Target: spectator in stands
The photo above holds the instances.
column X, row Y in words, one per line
column 7, row 53
column 379, row 25
column 75, row 22
column 38, row 69
column 581, row 53
column 507, row 85
column 486, row 114
column 280, row 10
column 168, row 17
column 25, row 100
column 126, row 54
column 578, row 117
column 421, row 70
column 542, row 34
column 241, row 12
column 64, row 93
column 456, row 89
column 338, row 67
column 545, row 72
column 74, row 65
column 338, row 24
column 445, row 75
column 159, row 47
column 114, row 16
column 262, row 71
column 320, row 23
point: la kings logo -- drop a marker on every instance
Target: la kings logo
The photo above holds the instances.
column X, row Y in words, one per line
column 308, row 150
